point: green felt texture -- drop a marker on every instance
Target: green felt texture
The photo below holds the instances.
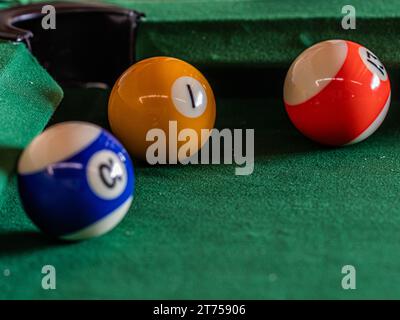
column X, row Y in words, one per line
column 28, row 97
column 202, row 232
column 7, row 3
column 260, row 32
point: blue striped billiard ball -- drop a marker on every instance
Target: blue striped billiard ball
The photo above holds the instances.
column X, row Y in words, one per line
column 76, row 181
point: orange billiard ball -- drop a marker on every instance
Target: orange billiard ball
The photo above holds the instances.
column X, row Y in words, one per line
column 154, row 93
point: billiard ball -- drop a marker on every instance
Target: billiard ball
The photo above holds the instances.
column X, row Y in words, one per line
column 337, row 92
column 75, row 180
column 155, row 92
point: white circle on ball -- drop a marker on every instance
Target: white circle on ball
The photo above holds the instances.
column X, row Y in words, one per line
column 189, row 97
column 373, row 63
column 106, row 174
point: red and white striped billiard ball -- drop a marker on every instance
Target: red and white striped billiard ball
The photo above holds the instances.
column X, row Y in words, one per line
column 337, row 92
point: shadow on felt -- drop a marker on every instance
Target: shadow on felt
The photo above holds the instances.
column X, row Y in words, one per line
column 14, row 243
column 8, row 158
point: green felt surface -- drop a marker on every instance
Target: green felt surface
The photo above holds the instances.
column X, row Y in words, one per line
column 260, row 32
column 202, row 232
column 28, row 97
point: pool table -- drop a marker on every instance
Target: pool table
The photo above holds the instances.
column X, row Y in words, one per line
column 200, row 231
